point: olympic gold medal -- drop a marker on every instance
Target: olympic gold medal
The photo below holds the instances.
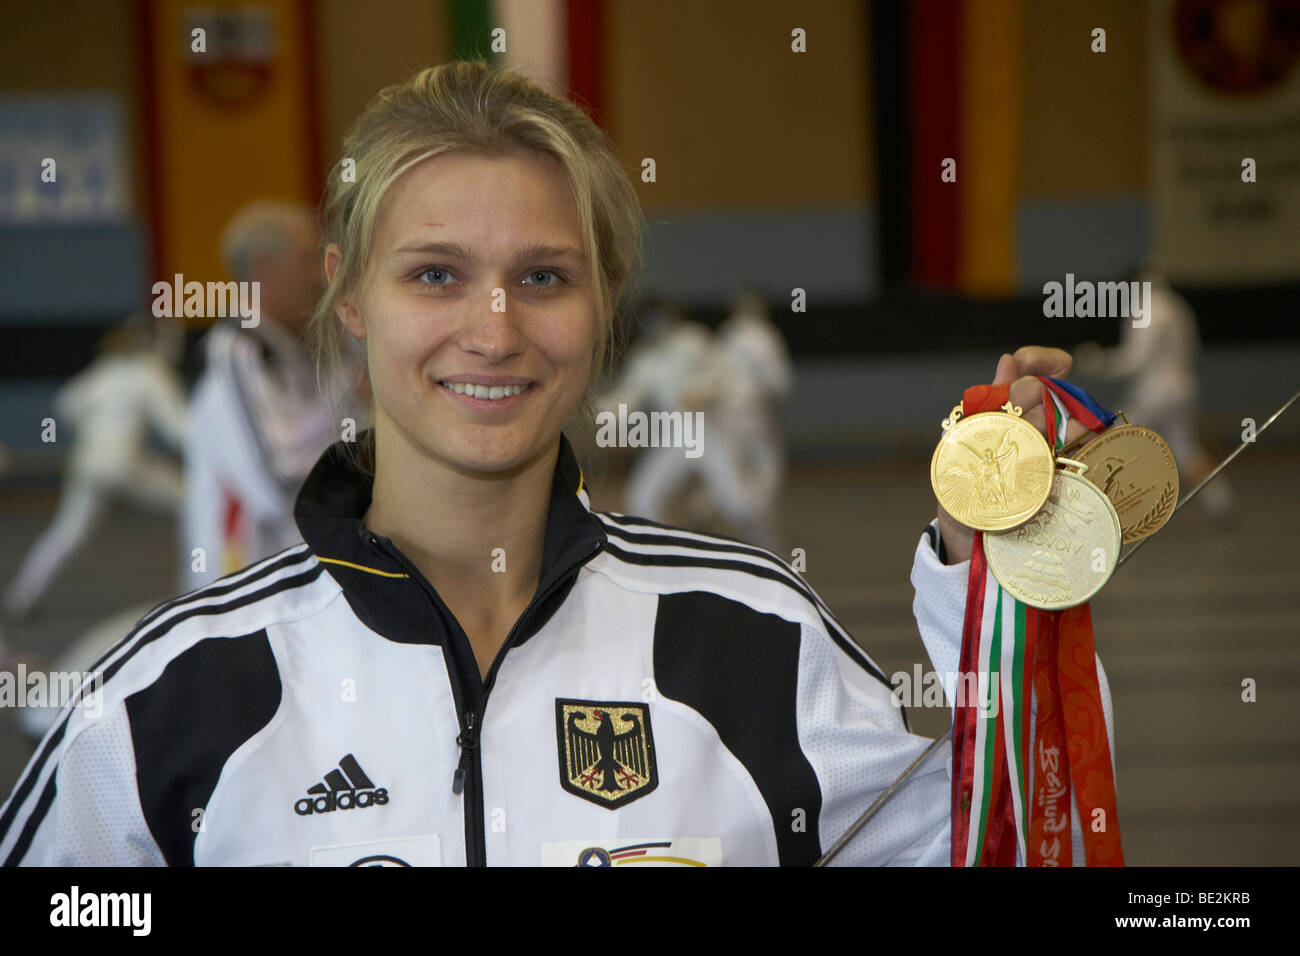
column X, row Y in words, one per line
column 993, row 470
column 1135, row 468
column 1065, row 553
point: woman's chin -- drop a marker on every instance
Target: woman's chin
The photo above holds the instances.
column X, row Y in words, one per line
column 491, row 454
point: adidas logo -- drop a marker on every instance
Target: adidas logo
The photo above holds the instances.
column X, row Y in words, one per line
column 345, row 787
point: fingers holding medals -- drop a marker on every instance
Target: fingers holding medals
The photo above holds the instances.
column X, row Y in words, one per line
column 1032, row 360
column 1041, row 360
column 1020, row 372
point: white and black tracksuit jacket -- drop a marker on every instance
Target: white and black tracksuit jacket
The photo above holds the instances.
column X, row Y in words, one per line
column 668, row 697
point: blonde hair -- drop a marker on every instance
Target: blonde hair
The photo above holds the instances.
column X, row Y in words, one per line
column 474, row 108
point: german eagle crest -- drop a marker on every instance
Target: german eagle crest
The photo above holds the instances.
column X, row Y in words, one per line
column 607, row 752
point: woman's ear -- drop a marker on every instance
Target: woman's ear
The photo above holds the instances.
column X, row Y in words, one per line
column 346, row 310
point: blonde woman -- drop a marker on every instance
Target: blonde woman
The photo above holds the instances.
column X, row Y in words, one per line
column 464, row 664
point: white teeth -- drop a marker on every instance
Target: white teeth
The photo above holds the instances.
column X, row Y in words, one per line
column 491, row 393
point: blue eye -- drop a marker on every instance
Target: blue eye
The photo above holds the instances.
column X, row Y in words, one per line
column 435, row 271
column 544, row 272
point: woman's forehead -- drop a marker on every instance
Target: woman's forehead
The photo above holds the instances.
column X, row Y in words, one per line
column 480, row 201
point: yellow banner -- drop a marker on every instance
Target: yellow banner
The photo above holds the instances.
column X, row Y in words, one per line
column 992, row 107
column 231, row 121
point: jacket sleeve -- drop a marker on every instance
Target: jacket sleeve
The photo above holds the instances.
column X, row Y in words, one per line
column 852, row 733
column 77, row 803
column 940, row 609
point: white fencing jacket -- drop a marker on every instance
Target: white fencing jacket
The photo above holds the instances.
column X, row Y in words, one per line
column 113, row 406
column 668, row 698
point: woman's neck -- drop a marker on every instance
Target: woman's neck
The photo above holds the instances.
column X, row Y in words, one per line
column 451, row 523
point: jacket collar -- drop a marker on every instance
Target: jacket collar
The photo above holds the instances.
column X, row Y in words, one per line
column 329, row 511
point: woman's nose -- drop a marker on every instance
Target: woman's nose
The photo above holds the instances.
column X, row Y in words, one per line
column 492, row 329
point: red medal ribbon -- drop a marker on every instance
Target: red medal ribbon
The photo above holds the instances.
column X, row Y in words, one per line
column 1091, row 769
column 967, row 713
column 1049, row 415
column 1070, row 745
column 1049, row 821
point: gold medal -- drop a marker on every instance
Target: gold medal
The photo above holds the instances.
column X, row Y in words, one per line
column 992, row 470
column 1135, row 468
column 1064, row 554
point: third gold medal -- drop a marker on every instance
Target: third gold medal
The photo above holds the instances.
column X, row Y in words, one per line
column 1135, row 468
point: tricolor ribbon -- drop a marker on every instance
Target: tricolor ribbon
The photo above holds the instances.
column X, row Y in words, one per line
column 1069, row 401
column 1005, row 807
column 989, row 790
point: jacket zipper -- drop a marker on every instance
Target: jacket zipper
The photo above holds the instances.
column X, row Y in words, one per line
column 464, row 716
column 468, row 776
column 475, row 765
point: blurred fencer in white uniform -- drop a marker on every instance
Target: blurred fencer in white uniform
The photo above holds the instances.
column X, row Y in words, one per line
column 761, row 376
column 734, row 378
column 1159, row 362
column 258, row 420
column 110, row 410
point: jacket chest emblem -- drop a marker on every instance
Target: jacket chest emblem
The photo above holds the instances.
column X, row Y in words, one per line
column 606, row 750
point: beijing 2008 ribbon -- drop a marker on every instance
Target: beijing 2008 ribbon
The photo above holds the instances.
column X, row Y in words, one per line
column 1020, row 653
column 1071, row 748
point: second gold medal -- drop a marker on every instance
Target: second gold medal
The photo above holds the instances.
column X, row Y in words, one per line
column 1066, row 552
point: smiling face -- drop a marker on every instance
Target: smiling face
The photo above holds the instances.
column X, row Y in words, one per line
column 477, row 309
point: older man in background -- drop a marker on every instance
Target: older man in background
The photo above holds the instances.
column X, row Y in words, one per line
column 258, row 421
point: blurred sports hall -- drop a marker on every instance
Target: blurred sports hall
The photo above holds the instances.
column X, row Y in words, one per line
column 798, row 155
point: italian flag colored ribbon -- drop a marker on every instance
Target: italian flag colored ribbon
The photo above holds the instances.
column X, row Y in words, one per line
column 1011, row 654
column 990, row 741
